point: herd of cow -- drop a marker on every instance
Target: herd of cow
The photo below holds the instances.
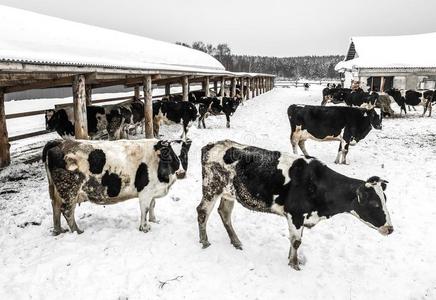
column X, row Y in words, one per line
column 360, row 98
column 299, row 188
column 114, row 122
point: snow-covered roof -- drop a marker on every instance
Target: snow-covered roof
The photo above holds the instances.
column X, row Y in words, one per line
column 28, row 37
column 245, row 74
column 404, row 51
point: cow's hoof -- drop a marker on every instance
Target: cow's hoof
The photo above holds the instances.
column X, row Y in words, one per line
column 336, row 161
column 79, row 231
column 237, row 246
column 205, row 244
column 294, row 266
column 146, row 228
column 154, row 220
column 59, row 231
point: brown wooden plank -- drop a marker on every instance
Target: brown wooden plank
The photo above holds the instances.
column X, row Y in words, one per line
column 27, row 135
column 185, row 88
column 5, row 155
column 148, row 108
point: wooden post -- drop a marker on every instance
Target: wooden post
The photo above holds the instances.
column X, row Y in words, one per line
column 148, row 107
column 242, row 89
column 382, row 84
column 88, row 94
column 168, row 89
column 215, row 87
column 136, row 91
column 185, row 88
column 233, row 88
column 5, row 155
column 253, row 86
column 257, row 86
column 79, row 103
column 248, row 88
column 223, row 86
column 206, row 86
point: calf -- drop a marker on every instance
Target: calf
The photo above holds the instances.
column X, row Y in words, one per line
column 61, row 120
column 348, row 125
column 107, row 172
column 217, row 106
column 304, row 191
column 169, row 112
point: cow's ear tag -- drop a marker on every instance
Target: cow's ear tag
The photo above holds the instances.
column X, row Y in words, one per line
column 365, row 114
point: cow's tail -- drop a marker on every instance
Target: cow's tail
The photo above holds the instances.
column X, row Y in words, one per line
column 291, row 113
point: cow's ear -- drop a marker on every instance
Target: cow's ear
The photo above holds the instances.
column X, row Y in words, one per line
column 296, row 172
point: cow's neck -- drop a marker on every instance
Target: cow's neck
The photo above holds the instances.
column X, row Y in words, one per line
column 339, row 194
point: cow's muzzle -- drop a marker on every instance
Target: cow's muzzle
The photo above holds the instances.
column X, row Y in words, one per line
column 180, row 174
column 386, row 229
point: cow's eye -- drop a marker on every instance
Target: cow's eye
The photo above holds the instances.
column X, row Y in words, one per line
column 374, row 203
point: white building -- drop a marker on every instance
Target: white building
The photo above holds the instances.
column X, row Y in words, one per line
column 382, row 62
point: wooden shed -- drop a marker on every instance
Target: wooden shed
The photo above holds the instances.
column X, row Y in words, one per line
column 39, row 51
column 382, row 62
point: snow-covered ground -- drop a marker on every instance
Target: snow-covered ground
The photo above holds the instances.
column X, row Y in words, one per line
column 344, row 259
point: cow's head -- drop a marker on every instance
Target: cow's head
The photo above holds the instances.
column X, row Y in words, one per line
column 169, row 163
column 370, row 205
column 181, row 149
column 50, row 116
column 374, row 118
column 114, row 124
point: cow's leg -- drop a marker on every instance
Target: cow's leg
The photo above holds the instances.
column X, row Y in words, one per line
column 225, row 212
column 339, row 156
column 413, row 108
column 203, row 211
column 344, row 153
column 156, row 127
column 228, row 120
column 302, row 146
column 203, row 122
column 294, row 141
column 295, row 234
column 56, row 206
column 144, row 204
column 151, row 215
column 67, row 209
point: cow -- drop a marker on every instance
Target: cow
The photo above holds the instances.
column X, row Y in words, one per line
column 384, row 103
column 411, row 98
column 348, row 125
column 61, row 120
column 173, row 112
column 217, row 106
column 430, row 99
column 360, row 98
column 107, row 172
column 303, row 190
column 123, row 117
column 335, row 95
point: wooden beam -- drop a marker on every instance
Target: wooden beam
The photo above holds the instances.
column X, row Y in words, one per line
column 242, row 88
column 43, row 84
column 5, row 156
column 223, row 86
column 88, row 94
column 206, row 86
column 233, row 87
column 79, row 101
column 185, row 88
column 248, row 88
column 148, row 107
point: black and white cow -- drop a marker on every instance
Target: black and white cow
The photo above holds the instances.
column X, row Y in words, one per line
column 123, row 117
column 107, row 172
column 348, row 125
column 430, row 99
column 335, row 95
column 303, row 190
column 61, row 120
column 411, row 98
column 361, row 99
column 173, row 112
column 217, row 106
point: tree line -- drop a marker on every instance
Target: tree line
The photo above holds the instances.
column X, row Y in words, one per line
column 309, row 67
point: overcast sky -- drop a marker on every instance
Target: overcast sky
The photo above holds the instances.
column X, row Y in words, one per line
column 258, row 27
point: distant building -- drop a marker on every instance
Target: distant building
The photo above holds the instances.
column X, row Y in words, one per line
column 382, row 62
